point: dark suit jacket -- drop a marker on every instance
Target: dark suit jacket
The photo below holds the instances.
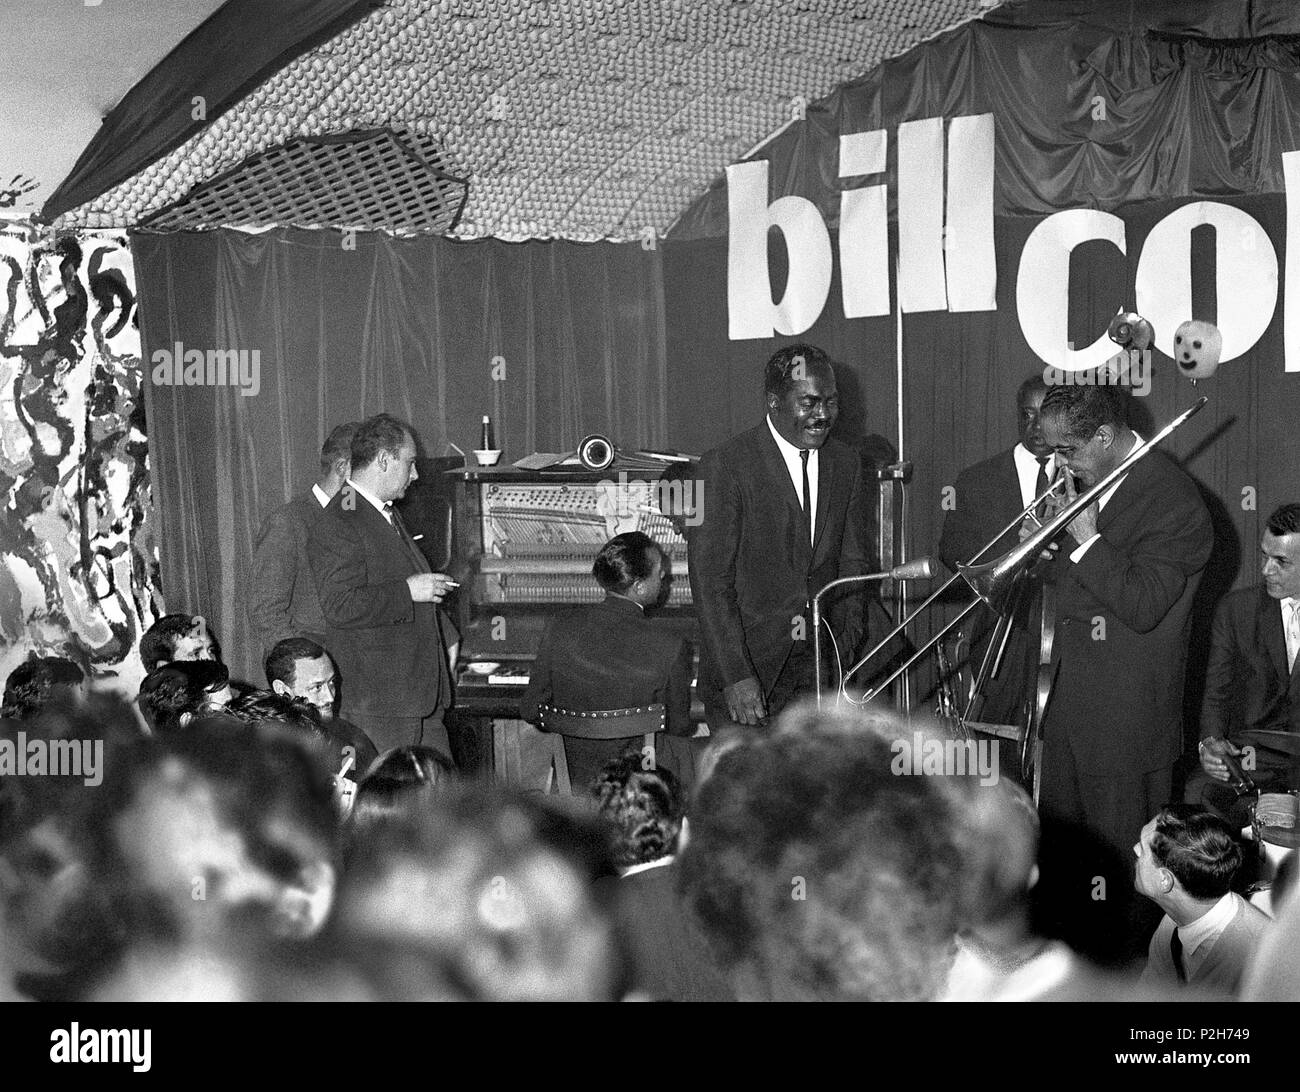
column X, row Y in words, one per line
column 751, row 567
column 609, row 656
column 670, row 960
column 1124, row 615
column 987, row 499
column 1247, row 684
column 283, row 602
column 388, row 649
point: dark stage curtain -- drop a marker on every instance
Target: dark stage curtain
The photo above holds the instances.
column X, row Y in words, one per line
column 412, row 327
column 1136, row 110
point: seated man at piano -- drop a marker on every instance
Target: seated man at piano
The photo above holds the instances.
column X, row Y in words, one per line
column 613, row 656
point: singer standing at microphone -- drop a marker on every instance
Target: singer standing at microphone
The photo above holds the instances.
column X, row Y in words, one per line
column 784, row 514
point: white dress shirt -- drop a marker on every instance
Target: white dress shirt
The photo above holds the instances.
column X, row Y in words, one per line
column 1291, row 629
column 380, row 507
column 1084, row 547
column 794, row 464
column 1027, row 472
column 322, row 498
column 1198, row 938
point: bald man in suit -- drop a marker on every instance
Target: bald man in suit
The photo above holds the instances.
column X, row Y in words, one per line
column 380, row 599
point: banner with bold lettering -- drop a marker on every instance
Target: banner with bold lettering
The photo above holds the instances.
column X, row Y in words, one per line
column 1000, row 193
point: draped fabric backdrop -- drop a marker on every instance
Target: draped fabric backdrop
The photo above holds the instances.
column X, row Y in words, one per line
column 1167, row 130
column 555, row 340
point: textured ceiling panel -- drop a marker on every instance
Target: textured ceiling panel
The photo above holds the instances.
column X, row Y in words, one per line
column 570, row 118
column 376, row 181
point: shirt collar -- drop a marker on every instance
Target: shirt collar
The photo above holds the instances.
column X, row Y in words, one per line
column 788, row 450
column 622, row 602
column 660, row 863
column 1025, row 457
column 375, row 501
column 322, row 498
column 1209, row 926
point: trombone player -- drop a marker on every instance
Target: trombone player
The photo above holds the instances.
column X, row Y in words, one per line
column 1126, row 572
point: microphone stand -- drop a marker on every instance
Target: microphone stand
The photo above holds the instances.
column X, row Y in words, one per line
column 924, row 569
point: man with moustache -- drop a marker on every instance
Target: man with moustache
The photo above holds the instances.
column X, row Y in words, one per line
column 783, row 516
column 989, row 495
column 1251, row 682
column 1126, row 572
column 379, row 598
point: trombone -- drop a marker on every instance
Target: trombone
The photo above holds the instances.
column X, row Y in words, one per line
column 994, row 581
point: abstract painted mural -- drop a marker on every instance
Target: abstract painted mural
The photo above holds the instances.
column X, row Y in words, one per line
column 78, row 557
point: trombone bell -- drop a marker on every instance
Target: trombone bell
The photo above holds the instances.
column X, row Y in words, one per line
column 995, row 581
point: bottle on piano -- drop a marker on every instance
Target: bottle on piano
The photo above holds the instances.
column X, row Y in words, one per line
column 488, row 440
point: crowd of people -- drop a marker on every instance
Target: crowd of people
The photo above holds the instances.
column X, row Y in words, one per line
column 226, row 852
column 313, row 837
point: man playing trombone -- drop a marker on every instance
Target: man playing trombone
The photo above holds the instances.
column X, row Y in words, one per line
column 1126, row 572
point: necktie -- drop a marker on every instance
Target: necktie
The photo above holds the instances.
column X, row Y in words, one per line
column 1040, row 486
column 1176, row 950
column 809, row 514
column 1292, row 634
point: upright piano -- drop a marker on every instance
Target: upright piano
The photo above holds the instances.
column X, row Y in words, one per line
column 522, row 544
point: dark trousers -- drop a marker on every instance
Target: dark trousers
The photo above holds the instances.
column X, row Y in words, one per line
column 1090, row 824
column 389, row 732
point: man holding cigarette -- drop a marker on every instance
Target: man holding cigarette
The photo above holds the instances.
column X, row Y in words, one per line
column 379, row 598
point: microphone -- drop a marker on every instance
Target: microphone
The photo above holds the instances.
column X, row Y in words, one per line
column 923, row 568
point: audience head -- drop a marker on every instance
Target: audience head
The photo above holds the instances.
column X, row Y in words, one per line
column 398, row 783
column 999, row 838
column 802, row 400
column 299, row 668
column 1280, row 552
column 174, row 694
column 56, row 919
column 41, row 679
column 268, row 707
column 631, row 565
column 1186, row 854
column 482, row 897
column 643, row 808
column 225, row 826
column 816, row 872
column 1087, row 427
column 177, row 637
column 383, row 456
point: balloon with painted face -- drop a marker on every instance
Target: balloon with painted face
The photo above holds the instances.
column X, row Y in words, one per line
column 1197, row 347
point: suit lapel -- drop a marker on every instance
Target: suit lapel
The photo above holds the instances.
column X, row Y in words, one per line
column 825, row 482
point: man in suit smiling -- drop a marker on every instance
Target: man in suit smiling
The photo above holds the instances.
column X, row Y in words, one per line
column 379, row 599
column 784, row 516
column 1251, row 678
